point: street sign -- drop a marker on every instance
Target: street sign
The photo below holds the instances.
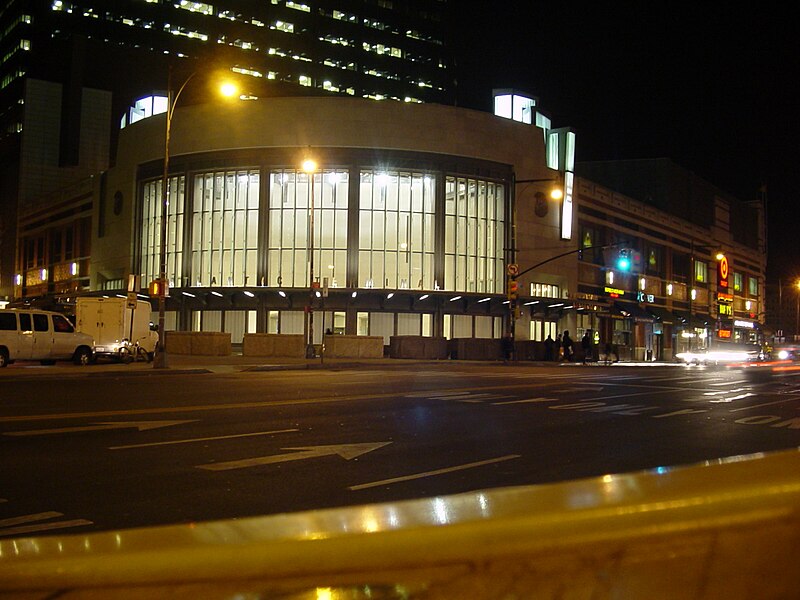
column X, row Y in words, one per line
column 131, row 301
column 512, row 269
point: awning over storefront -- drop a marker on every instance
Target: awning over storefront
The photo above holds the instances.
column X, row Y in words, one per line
column 634, row 311
column 700, row 321
column 663, row 315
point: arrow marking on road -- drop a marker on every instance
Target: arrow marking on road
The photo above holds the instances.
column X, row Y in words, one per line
column 140, row 425
column 346, row 451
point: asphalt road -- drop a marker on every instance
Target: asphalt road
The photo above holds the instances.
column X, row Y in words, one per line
column 90, row 450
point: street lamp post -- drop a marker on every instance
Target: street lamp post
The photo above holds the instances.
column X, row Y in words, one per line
column 310, row 167
column 160, row 358
column 556, row 193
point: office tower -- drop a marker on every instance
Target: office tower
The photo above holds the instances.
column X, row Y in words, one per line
column 69, row 70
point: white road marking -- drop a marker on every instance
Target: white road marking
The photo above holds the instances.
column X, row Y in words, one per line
column 346, row 451
column 481, row 463
column 140, row 425
column 26, row 529
column 16, row 526
column 205, row 439
column 526, row 401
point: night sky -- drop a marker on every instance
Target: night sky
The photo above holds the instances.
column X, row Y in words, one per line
column 713, row 89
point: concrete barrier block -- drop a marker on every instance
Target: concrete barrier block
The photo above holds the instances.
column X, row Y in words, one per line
column 418, row 347
column 353, row 346
column 270, row 344
column 199, row 343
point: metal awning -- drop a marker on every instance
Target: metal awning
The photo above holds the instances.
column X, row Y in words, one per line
column 663, row 315
column 634, row 311
column 701, row 321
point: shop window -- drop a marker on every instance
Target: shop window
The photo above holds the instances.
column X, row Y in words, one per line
column 738, row 284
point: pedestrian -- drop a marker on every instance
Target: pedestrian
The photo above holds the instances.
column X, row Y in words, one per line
column 508, row 347
column 586, row 346
column 568, row 346
column 548, row 348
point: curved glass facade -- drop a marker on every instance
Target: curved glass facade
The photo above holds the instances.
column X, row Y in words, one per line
column 391, row 229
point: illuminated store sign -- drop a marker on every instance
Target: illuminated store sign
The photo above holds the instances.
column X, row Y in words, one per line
column 614, row 292
column 723, row 271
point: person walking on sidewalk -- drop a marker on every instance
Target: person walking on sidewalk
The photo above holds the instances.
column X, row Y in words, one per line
column 586, row 346
column 568, row 346
column 549, row 344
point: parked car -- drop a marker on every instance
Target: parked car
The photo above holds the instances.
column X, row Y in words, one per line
column 29, row 334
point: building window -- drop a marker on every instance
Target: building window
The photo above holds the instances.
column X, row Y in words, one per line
column 738, row 284
column 752, row 286
column 700, row 271
column 474, row 235
column 653, row 260
column 151, row 230
column 289, row 203
column 540, row 329
column 591, row 240
column 225, row 229
column 545, row 290
column 396, row 230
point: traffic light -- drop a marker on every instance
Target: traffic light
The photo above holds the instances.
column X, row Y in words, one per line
column 624, row 260
column 154, row 288
column 513, row 289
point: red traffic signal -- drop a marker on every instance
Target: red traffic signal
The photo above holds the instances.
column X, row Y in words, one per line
column 513, row 289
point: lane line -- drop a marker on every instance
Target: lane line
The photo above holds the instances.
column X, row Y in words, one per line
column 364, row 486
column 278, row 403
column 526, row 401
column 248, row 405
column 205, row 439
column 17, row 531
column 30, row 518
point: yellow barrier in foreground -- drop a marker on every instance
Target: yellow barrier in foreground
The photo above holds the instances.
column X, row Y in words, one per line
column 728, row 530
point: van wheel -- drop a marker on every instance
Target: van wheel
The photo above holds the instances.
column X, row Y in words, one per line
column 82, row 356
column 3, row 358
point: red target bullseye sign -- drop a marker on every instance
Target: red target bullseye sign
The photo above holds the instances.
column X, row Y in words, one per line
column 722, row 271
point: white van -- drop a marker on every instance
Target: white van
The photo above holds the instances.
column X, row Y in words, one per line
column 28, row 334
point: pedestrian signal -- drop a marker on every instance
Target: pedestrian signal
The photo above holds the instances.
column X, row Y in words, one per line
column 155, row 288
